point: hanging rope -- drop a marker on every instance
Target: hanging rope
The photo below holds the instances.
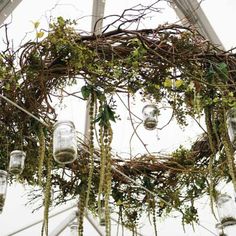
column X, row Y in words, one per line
column 22, row 109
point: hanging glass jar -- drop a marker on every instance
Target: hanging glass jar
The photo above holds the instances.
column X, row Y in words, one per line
column 103, row 213
column 64, row 142
column 17, row 162
column 150, row 113
column 231, row 124
column 226, row 208
column 229, row 228
column 219, row 229
column 74, row 229
column 3, row 188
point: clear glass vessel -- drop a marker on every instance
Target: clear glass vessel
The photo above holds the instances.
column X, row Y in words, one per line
column 102, row 219
column 64, row 142
column 74, row 229
column 3, row 188
column 231, row 124
column 226, row 208
column 229, row 229
column 219, row 229
column 17, row 162
column 150, row 113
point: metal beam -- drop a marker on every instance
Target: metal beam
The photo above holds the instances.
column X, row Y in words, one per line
column 100, row 230
column 116, row 221
column 97, row 16
column 60, row 228
column 62, row 225
column 6, row 8
column 191, row 13
column 39, row 221
column 96, row 28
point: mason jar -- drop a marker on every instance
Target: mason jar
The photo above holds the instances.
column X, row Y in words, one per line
column 64, row 142
column 231, row 125
column 150, row 113
column 17, row 162
column 219, row 229
column 102, row 219
column 229, row 228
column 74, row 229
column 226, row 208
column 3, row 188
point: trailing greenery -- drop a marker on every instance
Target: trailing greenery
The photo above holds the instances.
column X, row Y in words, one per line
column 47, row 196
column 41, row 153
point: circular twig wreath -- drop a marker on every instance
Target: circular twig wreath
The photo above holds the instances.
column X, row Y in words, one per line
column 172, row 63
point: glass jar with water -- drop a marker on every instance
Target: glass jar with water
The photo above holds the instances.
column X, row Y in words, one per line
column 64, row 142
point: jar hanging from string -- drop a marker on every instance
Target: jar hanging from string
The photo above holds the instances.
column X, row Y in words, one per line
column 17, row 162
column 74, row 229
column 219, row 229
column 3, row 188
column 229, row 228
column 150, row 113
column 226, row 208
column 231, row 124
column 64, row 142
column 102, row 219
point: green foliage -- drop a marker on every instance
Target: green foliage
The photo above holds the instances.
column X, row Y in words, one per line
column 105, row 115
column 86, row 91
column 190, row 215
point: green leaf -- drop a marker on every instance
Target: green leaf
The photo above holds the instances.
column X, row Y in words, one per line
column 168, row 83
column 110, row 113
column 210, row 73
column 178, row 83
column 86, row 91
column 100, row 95
column 7, row 86
column 119, row 203
column 36, row 24
column 105, row 115
column 98, row 118
column 61, row 21
column 40, row 34
column 222, row 70
column 135, row 64
column 135, row 53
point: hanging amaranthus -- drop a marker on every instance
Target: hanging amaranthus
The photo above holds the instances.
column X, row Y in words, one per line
column 154, row 217
column 108, row 177
column 91, row 145
column 105, row 138
column 211, row 135
column 81, row 208
column 228, row 148
column 102, row 164
column 47, row 195
column 41, row 153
